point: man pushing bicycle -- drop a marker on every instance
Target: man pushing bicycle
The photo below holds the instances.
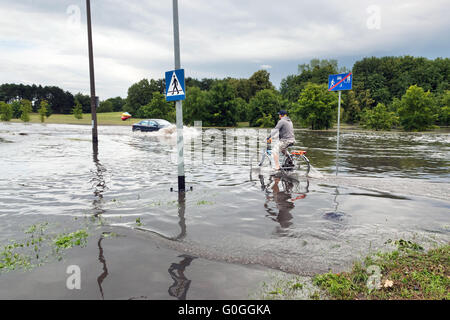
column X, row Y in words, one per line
column 285, row 130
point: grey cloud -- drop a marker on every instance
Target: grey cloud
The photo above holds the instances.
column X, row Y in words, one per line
column 133, row 39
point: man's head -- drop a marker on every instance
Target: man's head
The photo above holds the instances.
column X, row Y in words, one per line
column 282, row 113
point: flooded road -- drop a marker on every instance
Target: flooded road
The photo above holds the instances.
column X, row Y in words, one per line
column 233, row 229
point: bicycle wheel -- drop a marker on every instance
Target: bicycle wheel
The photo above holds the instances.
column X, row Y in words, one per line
column 259, row 162
column 301, row 164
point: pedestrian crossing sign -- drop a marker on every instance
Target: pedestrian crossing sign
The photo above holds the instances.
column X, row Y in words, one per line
column 175, row 89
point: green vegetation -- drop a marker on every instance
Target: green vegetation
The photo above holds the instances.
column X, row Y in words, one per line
column 204, row 202
column 38, row 247
column 68, row 240
column 78, row 111
column 43, row 110
column 6, row 111
column 408, row 93
column 25, row 110
column 405, row 273
column 110, row 118
column 316, row 107
column 157, row 108
column 416, row 109
column 378, row 118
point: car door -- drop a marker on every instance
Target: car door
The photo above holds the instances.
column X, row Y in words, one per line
column 152, row 126
column 143, row 125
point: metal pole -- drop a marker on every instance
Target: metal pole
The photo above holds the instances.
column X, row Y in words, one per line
column 339, row 124
column 91, row 74
column 178, row 104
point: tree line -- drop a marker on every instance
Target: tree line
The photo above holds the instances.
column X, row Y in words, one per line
column 405, row 92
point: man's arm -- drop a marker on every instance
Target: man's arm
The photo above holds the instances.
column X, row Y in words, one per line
column 276, row 129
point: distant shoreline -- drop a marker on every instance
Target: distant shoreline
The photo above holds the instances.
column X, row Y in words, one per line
column 113, row 119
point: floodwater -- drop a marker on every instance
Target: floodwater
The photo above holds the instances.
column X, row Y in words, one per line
column 237, row 225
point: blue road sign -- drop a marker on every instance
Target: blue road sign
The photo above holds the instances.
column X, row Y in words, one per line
column 338, row 82
column 175, row 89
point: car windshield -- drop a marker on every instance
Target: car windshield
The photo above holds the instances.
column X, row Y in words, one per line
column 164, row 122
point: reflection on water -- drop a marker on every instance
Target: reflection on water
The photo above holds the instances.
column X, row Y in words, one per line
column 181, row 284
column 181, row 212
column 102, row 260
column 98, row 183
column 390, row 185
column 335, row 214
column 283, row 191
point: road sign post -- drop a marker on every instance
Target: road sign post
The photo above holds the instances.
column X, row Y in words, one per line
column 339, row 82
column 91, row 76
column 178, row 103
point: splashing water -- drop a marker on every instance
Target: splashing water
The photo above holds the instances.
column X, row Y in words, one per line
column 314, row 173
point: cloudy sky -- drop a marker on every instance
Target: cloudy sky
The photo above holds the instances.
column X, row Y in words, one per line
column 45, row 41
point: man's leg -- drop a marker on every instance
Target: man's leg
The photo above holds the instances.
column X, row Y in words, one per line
column 276, row 159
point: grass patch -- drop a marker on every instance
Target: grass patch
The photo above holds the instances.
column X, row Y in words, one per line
column 139, row 222
column 204, row 202
column 68, row 240
column 405, row 273
column 107, row 118
column 38, row 247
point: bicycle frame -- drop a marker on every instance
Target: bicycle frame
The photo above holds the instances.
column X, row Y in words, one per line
column 291, row 160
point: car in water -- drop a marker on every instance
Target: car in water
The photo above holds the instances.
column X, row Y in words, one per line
column 151, row 125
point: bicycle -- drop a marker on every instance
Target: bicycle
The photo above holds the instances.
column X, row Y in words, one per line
column 292, row 161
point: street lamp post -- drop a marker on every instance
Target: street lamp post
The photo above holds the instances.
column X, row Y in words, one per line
column 91, row 74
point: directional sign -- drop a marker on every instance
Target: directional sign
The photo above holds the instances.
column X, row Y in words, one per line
column 338, row 82
column 175, row 89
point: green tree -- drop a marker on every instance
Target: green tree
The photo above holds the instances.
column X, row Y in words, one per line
column 139, row 94
column 222, row 105
column 195, row 107
column 415, row 109
column 105, row 106
column 16, row 105
column 84, row 101
column 352, row 108
column 379, row 118
column 266, row 121
column 264, row 103
column 443, row 108
column 260, row 80
column 157, row 108
column 316, row 107
column 242, row 109
column 317, row 71
column 78, row 110
column 43, row 110
column 6, row 111
column 26, row 109
column 117, row 103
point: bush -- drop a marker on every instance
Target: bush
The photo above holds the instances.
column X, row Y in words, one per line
column 265, row 103
column 78, row 110
column 415, row 109
column 105, row 106
column 158, row 108
column 26, row 109
column 43, row 110
column 6, row 111
column 316, row 107
column 266, row 121
column 379, row 118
